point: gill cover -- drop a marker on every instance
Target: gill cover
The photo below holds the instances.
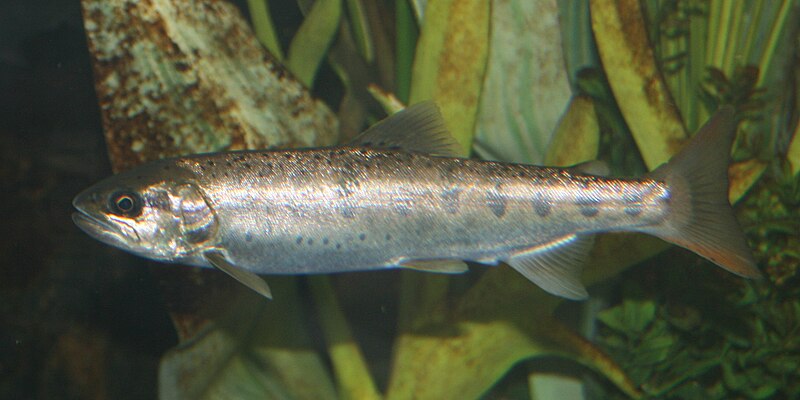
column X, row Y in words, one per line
column 198, row 221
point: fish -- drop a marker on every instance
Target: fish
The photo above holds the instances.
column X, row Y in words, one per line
column 400, row 196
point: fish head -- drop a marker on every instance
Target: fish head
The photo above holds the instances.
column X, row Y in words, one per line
column 148, row 214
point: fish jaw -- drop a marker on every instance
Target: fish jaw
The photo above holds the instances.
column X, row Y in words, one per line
column 114, row 232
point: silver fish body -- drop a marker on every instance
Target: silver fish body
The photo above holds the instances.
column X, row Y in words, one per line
column 373, row 205
column 352, row 208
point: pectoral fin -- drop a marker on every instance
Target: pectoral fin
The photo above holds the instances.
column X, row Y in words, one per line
column 439, row 266
column 556, row 266
column 245, row 277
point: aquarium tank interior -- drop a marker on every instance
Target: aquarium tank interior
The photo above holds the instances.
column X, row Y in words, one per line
column 90, row 88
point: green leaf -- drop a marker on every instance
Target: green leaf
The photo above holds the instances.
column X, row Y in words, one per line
column 655, row 350
column 638, row 314
column 631, row 317
column 405, row 41
column 614, row 318
column 310, row 45
column 262, row 23
column 360, row 28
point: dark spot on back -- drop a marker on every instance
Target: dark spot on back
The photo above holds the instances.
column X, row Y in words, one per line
column 388, row 237
column 325, row 240
column 310, row 241
column 450, row 199
column 299, row 240
column 338, row 246
column 589, row 211
column 633, row 210
column 497, row 203
column 588, row 207
column 541, row 207
column 362, row 236
column 347, row 212
column 248, row 237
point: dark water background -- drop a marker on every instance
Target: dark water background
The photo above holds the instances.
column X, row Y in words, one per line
column 77, row 319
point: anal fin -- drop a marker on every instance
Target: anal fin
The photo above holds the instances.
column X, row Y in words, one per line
column 439, row 266
column 556, row 266
column 247, row 278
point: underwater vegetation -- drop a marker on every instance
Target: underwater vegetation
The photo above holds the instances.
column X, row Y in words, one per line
column 540, row 82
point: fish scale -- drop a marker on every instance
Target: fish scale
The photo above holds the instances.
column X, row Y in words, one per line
column 399, row 197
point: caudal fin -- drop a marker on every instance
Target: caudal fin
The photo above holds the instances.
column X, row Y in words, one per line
column 701, row 219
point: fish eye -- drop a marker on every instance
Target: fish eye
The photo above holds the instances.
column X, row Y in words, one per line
column 126, row 203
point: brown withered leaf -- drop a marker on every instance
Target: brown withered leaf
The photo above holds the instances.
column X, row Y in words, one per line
column 187, row 77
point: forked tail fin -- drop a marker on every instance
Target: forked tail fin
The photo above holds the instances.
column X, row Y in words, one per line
column 701, row 219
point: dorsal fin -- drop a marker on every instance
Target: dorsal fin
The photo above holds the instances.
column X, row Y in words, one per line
column 593, row 167
column 419, row 129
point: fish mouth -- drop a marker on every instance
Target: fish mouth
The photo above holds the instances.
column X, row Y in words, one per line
column 115, row 233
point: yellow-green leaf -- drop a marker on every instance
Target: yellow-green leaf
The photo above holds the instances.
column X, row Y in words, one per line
column 502, row 320
column 578, row 136
column 246, row 356
column 349, row 367
column 793, row 155
column 450, row 62
column 635, row 79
